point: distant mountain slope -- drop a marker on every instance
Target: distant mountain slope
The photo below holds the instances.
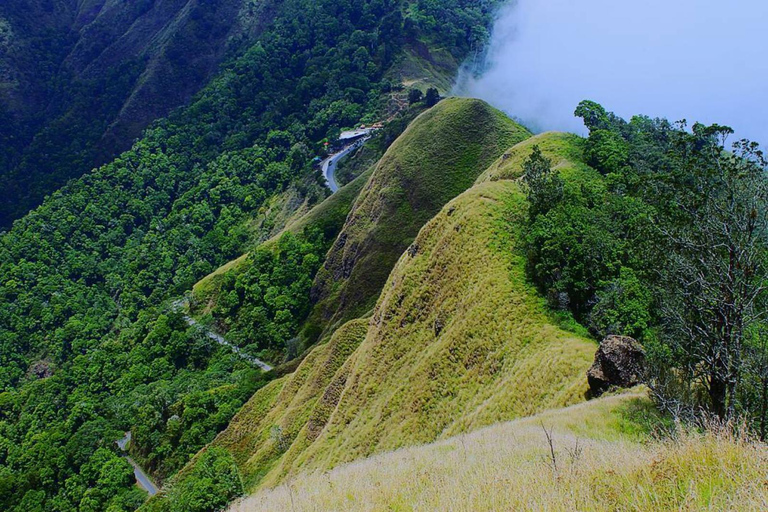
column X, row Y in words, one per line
column 80, row 80
column 439, row 156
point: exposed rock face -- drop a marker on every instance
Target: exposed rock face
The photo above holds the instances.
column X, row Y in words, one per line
column 619, row 361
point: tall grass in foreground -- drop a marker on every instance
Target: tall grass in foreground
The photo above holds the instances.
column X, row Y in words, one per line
column 510, row 467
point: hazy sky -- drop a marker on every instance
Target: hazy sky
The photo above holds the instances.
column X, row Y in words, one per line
column 703, row 60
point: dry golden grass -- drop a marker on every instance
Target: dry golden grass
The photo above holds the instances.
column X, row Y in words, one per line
column 509, row 467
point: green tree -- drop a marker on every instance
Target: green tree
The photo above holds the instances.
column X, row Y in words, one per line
column 544, row 188
column 212, row 484
column 414, row 96
column 716, row 276
column 623, row 307
column 432, row 97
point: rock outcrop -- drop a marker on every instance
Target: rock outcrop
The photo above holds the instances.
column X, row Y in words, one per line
column 619, row 361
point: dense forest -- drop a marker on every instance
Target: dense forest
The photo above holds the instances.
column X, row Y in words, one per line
column 90, row 345
column 79, row 81
column 666, row 242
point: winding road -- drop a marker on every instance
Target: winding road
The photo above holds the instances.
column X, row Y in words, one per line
column 182, row 303
column 330, row 164
column 142, row 478
column 221, row 341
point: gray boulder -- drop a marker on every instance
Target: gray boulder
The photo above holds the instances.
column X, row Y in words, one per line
column 619, row 361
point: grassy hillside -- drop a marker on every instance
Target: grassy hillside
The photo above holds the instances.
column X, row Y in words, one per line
column 458, row 341
column 257, row 445
column 601, row 465
column 439, row 156
column 565, row 150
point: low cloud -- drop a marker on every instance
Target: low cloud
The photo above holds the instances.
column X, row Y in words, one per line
column 699, row 60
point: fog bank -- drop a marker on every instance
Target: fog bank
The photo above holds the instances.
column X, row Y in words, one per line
column 700, row 60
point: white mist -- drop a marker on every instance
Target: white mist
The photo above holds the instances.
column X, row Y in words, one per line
column 700, row 60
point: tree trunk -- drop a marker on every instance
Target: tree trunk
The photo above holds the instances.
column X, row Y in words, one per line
column 717, row 393
column 763, row 406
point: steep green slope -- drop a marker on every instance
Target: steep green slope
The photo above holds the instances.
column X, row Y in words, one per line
column 260, row 299
column 458, row 340
column 439, row 156
column 81, row 80
column 328, row 216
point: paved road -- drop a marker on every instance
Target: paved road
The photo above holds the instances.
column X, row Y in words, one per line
column 221, row 341
column 329, row 164
column 142, row 478
column 181, row 303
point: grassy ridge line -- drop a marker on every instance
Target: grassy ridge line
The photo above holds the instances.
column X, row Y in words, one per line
column 414, row 62
column 602, row 467
column 458, row 340
column 566, row 151
column 438, row 157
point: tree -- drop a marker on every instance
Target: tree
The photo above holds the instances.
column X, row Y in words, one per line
column 714, row 284
column 544, row 188
column 432, row 98
column 414, row 96
column 594, row 115
column 213, row 482
column 622, row 307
